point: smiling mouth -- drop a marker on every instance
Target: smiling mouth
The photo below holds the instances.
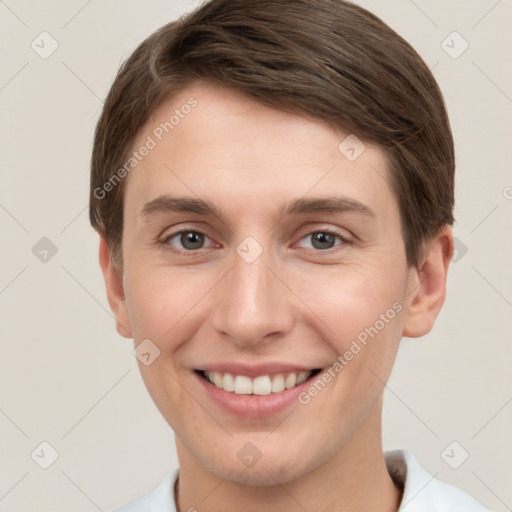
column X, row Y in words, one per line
column 261, row 385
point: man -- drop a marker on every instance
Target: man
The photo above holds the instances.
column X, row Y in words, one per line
column 272, row 182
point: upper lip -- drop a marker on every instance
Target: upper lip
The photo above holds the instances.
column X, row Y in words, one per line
column 255, row 370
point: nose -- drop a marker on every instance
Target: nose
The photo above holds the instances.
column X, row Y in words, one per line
column 253, row 304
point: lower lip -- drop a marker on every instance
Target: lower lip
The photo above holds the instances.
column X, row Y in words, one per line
column 252, row 406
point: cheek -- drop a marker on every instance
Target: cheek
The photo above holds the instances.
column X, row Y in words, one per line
column 159, row 303
column 362, row 307
column 353, row 299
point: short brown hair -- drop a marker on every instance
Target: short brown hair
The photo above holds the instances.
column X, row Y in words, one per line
column 330, row 59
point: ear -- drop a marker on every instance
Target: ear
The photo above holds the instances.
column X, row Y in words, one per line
column 115, row 290
column 427, row 284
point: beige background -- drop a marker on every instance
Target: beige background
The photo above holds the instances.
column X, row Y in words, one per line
column 67, row 377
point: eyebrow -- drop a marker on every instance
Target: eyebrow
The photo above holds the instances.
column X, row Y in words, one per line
column 170, row 204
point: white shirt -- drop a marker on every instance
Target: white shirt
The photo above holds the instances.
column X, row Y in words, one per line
column 422, row 492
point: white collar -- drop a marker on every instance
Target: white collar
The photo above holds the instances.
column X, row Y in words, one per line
column 422, row 491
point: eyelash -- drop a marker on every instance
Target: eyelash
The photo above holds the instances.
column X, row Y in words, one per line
column 166, row 245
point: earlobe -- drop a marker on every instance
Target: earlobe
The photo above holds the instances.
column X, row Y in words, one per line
column 427, row 285
column 115, row 290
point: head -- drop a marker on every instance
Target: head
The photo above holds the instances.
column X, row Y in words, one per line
column 249, row 112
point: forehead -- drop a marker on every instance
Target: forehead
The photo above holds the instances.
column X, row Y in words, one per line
column 211, row 141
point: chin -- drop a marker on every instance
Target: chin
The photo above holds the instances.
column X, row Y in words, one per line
column 275, row 465
column 263, row 474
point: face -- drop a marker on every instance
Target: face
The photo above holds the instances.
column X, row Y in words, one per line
column 257, row 255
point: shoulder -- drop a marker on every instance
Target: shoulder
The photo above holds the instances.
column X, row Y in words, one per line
column 161, row 499
column 422, row 491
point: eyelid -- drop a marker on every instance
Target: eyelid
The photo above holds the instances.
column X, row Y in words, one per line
column 164, row 240
column 345, row 240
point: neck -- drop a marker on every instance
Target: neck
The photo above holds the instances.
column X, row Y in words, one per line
column 353, row 479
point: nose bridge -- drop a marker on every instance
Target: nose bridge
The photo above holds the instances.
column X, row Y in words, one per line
column 252, row 303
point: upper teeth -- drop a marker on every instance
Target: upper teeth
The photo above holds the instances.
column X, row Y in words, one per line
column 262, row 385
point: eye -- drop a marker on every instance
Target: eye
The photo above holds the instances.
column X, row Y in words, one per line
column 193, row 240
column 190, row 240
column 324, row 239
